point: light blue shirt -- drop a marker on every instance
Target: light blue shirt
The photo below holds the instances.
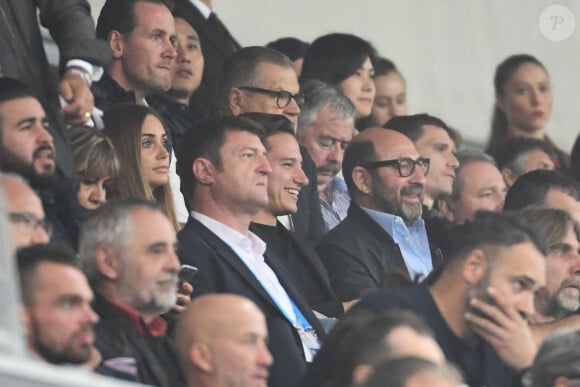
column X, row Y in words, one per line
column 412, row 241
column 334, row 212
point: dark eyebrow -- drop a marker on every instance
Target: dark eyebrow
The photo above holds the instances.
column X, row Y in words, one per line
column 28, row 120
column 192, row 37
column 527, row 280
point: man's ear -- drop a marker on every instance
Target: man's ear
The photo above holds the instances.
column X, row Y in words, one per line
column 200, row 356
column 446, row 208
column 362, row 180
column 116, row 43
column 235, row 101
column 499, row 102
column 107, row 262
column 508, row 176
column 474, row 266
column 203, row 170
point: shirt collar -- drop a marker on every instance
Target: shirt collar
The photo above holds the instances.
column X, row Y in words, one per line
column 388, row 221
column 250, row 242
column 156, row 328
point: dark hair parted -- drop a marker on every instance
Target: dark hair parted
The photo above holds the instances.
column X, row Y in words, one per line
column 512, row 154
column 490, row 231
column 29, row 258
column 291, row 47
column 207, row 142
column 240, row 69
column 123, row 126
column 361, row 337
column 532, row 188
column 413, row 126
column 119, row 15
column 503, row 73
column 334, row 57
column 11, row 89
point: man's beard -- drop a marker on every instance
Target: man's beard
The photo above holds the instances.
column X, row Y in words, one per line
column 560, row 304
column 66, row 355
column 11, row 163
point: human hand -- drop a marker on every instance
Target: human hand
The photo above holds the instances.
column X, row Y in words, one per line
column 502, row 326
column 79, row 99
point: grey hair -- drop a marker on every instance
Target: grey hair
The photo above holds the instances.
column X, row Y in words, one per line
column 558, row 355
column 467, row 156
column 317, row 96
column 110, row 225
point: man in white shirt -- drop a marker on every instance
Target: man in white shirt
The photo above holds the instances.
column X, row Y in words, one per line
column 225, row 174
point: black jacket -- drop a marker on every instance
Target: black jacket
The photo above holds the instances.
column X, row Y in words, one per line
column 117, row 340
column 222, row 271
column 358, row 252
column 22, row 54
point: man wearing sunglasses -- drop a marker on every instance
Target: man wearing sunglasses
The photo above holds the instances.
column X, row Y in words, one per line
column 383, row 231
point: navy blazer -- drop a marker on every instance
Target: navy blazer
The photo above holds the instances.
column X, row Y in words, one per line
column 222, row 271
column 358, row 252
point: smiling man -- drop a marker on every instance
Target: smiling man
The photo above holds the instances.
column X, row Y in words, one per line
column 284, row 184
column 128, row 253
column 383, row 230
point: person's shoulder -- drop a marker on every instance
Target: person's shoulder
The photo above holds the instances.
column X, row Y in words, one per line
column 396, row 298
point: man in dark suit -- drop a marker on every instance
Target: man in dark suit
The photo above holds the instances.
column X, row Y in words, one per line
column 284, row 184
column 226, row 172
column 383, row 230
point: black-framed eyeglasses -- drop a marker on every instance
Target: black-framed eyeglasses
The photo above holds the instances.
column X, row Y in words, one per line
column 30, row 221
column 405, row 165
column 283, row 97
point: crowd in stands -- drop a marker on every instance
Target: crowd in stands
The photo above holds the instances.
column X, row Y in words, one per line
column 185, row 211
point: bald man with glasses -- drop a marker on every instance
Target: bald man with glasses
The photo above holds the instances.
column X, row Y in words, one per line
column 383, row 231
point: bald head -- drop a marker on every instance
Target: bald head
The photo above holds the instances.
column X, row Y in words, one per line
column 221, row 341
column 25, row 211
column 384, row 172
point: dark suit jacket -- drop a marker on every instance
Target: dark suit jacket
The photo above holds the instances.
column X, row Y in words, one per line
column 222, row 271
column 307, row 271
column 308, row 221
column 358, row 252
column 22, row 54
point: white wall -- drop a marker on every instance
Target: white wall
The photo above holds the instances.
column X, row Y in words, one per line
column 446, row 49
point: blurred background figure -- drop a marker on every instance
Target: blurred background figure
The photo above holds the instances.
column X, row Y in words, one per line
column 523, row 104
column 346, row 61
column 414, row 372
column 293, row 48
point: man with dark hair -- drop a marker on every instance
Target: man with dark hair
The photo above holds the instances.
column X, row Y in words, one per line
column 293, row 48
column 27, row 149
column 141, row 34
column 28, row 224
column 128, row 253
column 174, row 105
column 384, row 230
column 22, row 56
column 414, row 372
column 325, row 128
column 262, row 80
column 478, row 185
column 545, row 188
column 433, row 139
column 226, row 171
column 520, row 155
column 361, row 340
column 284, row 184
column 479, row 303
column 56, row 300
